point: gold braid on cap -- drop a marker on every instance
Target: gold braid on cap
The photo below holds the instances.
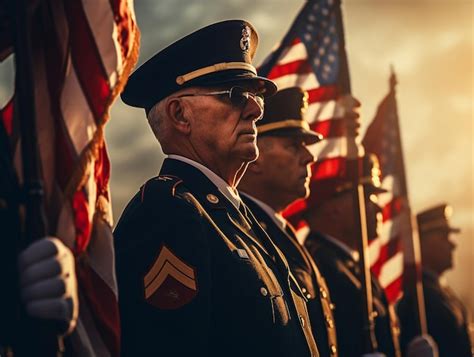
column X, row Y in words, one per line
column 214, row 68
column 290, row 123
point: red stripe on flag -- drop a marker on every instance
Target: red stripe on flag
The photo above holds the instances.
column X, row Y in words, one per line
column 331, row 128
column 322, row 94
column 392, row 209
column 328, row 168
column 295, row 67
column 101, row 302
column 393, row 290
column 6, row 115
column 81, row 221
column 87, row 61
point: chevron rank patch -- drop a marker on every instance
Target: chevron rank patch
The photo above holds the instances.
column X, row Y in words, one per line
column 170, row 283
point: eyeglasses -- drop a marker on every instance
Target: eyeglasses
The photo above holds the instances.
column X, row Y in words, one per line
column 238, row 96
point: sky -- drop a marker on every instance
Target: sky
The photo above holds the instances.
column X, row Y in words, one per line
column 430, row 45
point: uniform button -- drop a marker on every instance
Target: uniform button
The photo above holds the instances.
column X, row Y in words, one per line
column 308, row 296
column 303, row 322
column 304, row 290
column 212, row 198
column 329, row 322
column 332, row 306
column 263, row 291
column 323, row 292
column 333, row 349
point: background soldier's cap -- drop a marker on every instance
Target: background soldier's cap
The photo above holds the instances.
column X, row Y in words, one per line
column 435, row 218
column 324, row 190
column 284, row 115
column 216, row 55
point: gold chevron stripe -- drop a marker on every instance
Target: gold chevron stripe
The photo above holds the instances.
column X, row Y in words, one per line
column 167, row 255
column 170, row 270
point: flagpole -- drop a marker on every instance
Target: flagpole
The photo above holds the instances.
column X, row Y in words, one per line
column 38, row 337
column 354, row 151
column 413, row 283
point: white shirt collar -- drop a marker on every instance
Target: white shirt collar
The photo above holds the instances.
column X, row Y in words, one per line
column 275, row 216
column 353, row 253
column 229, row 192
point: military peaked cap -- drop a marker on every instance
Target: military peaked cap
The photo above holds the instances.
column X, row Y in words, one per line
column 285, row 115
column 435, row 218
column 216, row 55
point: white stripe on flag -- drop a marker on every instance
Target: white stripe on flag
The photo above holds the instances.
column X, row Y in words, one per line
column 76, row 113
column 294, row 53
column 320, row 111
column 306, row 81
column 329, row 148
column 101, row 21
column 391, row 270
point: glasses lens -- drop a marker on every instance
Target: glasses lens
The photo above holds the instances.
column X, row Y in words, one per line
column 239, row 97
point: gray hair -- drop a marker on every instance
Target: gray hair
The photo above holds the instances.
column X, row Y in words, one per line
column 156, row 119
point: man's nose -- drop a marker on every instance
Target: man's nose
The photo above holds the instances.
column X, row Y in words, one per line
column 252, row 110
column 307, row 156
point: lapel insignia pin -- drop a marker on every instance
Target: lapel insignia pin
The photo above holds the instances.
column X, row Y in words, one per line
column 212, row 198
column 245, row 40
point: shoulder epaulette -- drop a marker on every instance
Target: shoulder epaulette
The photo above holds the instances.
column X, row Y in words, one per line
column 163, row 184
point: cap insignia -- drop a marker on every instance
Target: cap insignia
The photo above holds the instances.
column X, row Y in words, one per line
column 245, row 40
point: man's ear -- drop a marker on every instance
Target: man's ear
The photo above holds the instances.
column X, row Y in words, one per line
column 175, row 111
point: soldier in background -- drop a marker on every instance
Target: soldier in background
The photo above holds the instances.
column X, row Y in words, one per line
column 280, row 176
column 447, row 318
column 333, row 244
column 197, row 275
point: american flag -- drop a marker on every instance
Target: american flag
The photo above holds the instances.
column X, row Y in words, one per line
column 383, row 139
column 82, row 53
column 312, row 56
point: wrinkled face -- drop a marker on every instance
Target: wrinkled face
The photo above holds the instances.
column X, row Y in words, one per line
column 285, row 165
column 437, row 249
column 222, row 129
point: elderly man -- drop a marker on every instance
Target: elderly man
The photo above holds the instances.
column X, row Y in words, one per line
column 280, row 176
column 447, row 318
column 197, row 275
column 333, row 244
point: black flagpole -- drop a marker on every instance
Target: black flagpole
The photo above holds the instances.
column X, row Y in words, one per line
column 38, row 336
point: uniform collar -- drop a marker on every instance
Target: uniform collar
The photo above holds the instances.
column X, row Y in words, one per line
column 229, row 192
column 354, row 254
column 276, row 217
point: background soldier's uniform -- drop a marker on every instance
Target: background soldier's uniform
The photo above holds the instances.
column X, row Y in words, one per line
column 307, row 273
column 342, row 274
column 228, row 290
column 447, row 319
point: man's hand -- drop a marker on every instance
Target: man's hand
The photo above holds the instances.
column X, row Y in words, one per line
column 48, row 284
column 422, row 346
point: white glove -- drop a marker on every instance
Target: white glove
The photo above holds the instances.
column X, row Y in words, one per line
column 48, row 285
column 422, row 346
column 375, row 354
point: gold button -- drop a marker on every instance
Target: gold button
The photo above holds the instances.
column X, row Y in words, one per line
column 308, row 296
column 3, row 204
column 323, row 292
column 263, row 291
column 303, row 290
column 332, row 306
column 303, row 322
column 329, row 322
column 333, row 349
column 212, row 198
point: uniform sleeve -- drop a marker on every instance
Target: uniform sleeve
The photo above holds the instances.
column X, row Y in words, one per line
column 163, row 272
